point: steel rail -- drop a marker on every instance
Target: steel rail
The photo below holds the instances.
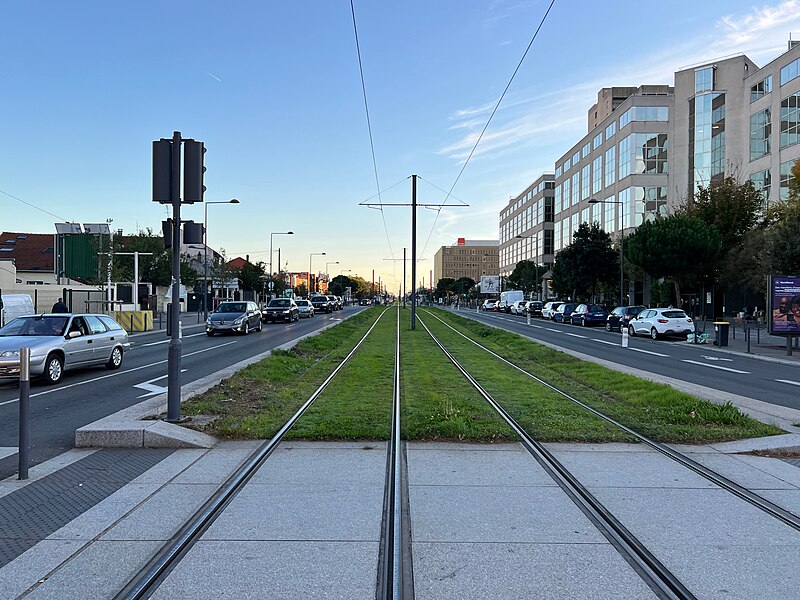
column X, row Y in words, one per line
column 660, row 579
column 723, row 482
column 390, row 574
column 149, row 578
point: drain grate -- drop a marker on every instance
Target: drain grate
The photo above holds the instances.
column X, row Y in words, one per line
column 33, row 512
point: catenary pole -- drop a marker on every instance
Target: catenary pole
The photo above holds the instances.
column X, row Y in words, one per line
column 413, row 252
column 174, row 353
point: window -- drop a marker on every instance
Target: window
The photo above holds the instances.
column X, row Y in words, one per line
column 557, row 199
column 556, row 237
column 597, row 174
column 548, row 210
column 585, row 215
column 558, row 171
column 576, row 158
column 566, row 193
column 762, row 181
column 761, row 89
column 704, row 80
column 611, row 165
column 644, row 113
column 95, row 325
column 610, row 209
column 625, row 157
column 643, row 153
column 566, row 165
column 651, row 201
column 585, row 150
column 586, row 182
column 786, row 177
column 790, row 71
column 548, row 242
column 576, row 188
column 598, row 139
column 760, row 129
column 611, row 130
column 625, row 118
column 790, row 120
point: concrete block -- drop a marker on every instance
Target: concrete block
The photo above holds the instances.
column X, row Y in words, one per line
column 160, row 434
column 111, row 434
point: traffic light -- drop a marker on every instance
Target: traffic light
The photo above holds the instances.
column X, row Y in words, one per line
column 162, row 171
column 192, row 233
column 193, row 170
column 166, row 229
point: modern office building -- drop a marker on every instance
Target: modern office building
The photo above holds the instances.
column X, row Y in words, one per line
column 466, row 258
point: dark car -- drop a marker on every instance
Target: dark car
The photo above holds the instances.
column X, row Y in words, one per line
column 621, row 316
column 242, row 317
column 280, row 309
column 321, row 304
column 588, row 314
column 562, row 313
column 535, row 308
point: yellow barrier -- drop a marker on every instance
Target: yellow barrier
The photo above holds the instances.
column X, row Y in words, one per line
column 135, row 320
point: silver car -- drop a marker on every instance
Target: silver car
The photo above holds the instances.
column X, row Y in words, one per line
column 241, row 317
column 305, row 307
column 59, row 342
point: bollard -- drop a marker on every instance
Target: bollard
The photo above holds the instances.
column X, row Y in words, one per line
column 24, row 408
column 747, row 337
column 624, row 337
column 758, row 332
column 529, row 318
column 788, row 345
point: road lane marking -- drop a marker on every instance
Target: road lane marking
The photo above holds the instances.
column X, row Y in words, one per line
column 790, row 382
column 574, row 335
column 550, row 329
column 167, row 340
column 160, row 362
column 717, row 358
column 151, row 388
column 650, row 352
column 702, row 364
column 605, row 342
column 8, row 451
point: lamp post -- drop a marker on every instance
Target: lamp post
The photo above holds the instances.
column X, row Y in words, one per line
column 309, row 271
column 535, row 264
column 270, row 248
column 621, row 241
column 205, row 251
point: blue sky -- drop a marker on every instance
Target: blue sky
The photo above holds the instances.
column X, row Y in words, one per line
column 273, row 90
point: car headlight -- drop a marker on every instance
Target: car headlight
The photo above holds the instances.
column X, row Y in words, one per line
column 286, row 312
column 239, row 321
column 10, row 354
column 208, row 321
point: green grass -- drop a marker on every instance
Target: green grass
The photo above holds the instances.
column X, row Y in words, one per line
column 439, row 404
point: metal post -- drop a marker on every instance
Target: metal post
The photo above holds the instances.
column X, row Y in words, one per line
column 174, row 353
column 788, row 345
column 413, row 252
column 205, row 262
column 403, row 292
column 24, row 410
column 747, row 337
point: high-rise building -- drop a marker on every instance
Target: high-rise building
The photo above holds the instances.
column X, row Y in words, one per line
column 466, row 258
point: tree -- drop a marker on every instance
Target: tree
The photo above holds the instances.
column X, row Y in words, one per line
column 252, row 276
column 783, row 237
column 301, row 290
column 462, row 285
column 339, row 284
column 526, row 276
column 680, row 247
column 588, row 262
column 444, row 287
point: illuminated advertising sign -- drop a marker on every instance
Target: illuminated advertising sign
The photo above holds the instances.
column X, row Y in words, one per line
column 783, row 312
column 490, row 284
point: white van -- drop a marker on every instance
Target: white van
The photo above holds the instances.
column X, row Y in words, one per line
column 13, row 306
column 508, row 298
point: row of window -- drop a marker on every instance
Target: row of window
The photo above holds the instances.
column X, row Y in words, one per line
column 762, row 180
column 761, row 127
column 534, row 247
column 541, row 212
column 543, row 185
column 764, row 87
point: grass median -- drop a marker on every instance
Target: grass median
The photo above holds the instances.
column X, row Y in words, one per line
column 438, row 403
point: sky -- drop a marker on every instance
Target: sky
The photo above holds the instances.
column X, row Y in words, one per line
column 274, row 91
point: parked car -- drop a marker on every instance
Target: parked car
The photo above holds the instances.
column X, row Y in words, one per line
column 321, row 303
column 619, row 318
column 280, row 309
column 656, row 322
column 489, row 305
column 304, row 308
column 508, row 298
column 588, row 314
column 60, row 342
column 563, row 312
column 229, row 317
column 549, row 309
column 519, row 307
column 535, row 308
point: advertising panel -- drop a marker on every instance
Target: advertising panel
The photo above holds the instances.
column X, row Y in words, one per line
column 490, row 284
column 784, row 305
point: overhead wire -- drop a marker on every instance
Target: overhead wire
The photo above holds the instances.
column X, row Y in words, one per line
column 369, row 125
column 491, row 116
column 47, row 212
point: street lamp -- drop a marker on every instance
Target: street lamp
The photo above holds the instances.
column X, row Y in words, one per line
column 270, row 248
column 309, row 270
column 535, row 264
column 333, row 262
column 621, row 240
column 205, row 250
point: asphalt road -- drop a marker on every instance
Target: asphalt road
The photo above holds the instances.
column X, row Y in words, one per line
column 751, row 377
column 85, row 395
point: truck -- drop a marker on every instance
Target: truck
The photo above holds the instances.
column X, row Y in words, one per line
column 13, row 306
column 508, row 298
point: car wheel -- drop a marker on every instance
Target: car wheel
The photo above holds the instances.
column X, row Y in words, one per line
column 654, row 333
column 115, row 360
column 260, row 325
column 210, row 333
column 608, row 326
column 631, row 331
column 246, row 328
column 53, row 369
column 621, row 326
column 583, row 322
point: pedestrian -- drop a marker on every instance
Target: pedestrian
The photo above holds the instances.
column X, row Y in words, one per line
column 60, row 307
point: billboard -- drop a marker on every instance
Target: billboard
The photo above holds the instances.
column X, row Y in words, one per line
column 783, row 312
column 490, row 284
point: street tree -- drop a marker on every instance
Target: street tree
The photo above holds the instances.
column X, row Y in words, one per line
column 680, row 247
column 462, row 285
column 252, row 276
column 783, row 237
column 588, row 263
column 526, row 276
column 444, row 287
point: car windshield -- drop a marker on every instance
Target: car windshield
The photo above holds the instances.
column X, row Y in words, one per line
column 302, row 303
column 281, row 302
column 32, row 326
column 232, row 307
column 596, row 308
column 635, row 310
column 674, row 314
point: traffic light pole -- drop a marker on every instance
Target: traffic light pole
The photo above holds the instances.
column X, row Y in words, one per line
column 174, row 355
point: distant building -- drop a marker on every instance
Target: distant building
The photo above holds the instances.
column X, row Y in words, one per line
column 33, row 255
column 466, row 258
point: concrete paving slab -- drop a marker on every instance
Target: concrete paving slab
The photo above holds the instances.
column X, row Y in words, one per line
column 171, row 467
column 318, row 570
column 25, row 571
column 160, row 434
column 316, row 512
column 584, row 447
column 747, row 473
column 788, row 442
column 500, row 514
column 693, row 517
column 774, row 466
column 162, row 514
column 646, row 468
column 513, row 571
column 764, row 572
column 99, row 571
column 475, row 466
column 214, row 466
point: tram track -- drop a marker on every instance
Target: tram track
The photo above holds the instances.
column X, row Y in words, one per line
column 394, row 540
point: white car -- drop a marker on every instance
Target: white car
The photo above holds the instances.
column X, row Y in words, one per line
column 549, row 309
column 656, row 322
column 519, row 307
column 489, row 305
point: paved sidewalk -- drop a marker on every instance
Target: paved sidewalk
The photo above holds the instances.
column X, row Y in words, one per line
column 762, row 345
